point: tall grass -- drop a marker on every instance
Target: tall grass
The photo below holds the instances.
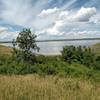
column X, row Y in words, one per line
column 34, row 87
column 6, row 51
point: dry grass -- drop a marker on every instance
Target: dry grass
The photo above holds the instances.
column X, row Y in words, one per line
column 96, row 49
column 34, row 87
column 4, row 50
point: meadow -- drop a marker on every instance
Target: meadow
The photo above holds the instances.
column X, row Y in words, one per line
column 36, row 87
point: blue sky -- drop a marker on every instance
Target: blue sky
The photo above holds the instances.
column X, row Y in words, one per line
column 50, row 19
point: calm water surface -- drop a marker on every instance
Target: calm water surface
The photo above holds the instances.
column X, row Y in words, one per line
column 54, row 48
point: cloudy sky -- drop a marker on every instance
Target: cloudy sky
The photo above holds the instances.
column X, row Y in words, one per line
column 50, row 19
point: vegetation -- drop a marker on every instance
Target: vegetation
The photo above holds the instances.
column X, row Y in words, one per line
column 34, row 87
column 96, row 49
column 50, row 65
column 84, row 55
column 26, row 44
column 74, row 75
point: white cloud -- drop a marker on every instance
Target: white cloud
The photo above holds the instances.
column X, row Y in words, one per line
column 95, row 19
column 48, row 12
column 72, row 35
column 8, row 36
column 63, row 14
column 21, row 12
column 51, row 17
column 55, row 30
column 54, row 13
column 65, row 22
column 84, row 14
column 85, row 34
column 2, row 29
column 16, row 12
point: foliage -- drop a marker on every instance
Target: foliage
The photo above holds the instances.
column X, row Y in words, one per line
column 27, row 44
column 80, row 54
column 51, row 66
column 69, row 53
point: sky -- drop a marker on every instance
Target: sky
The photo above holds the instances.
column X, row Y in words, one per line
column 50, row 19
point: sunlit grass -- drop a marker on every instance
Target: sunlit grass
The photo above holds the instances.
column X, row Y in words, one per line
column 34, row 87
column 96, row 49
column 4, row 50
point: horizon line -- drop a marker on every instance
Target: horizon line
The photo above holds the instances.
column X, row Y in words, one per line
column 58, row 40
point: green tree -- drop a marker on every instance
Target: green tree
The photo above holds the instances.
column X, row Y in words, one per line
column 81, row 54
column 69, row 53
column 26, row 45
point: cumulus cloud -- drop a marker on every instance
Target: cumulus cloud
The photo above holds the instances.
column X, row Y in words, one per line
column 50, row 18
column 6, row 35
column 71, row 35
column 48, row 12
column 65, row 21
column 84, row 14
column 55, row 30
column 95, row 19
column 63, row 15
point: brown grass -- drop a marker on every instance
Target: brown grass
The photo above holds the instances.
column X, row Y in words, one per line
column 34, row 87
column 96, row 49
column 4, row 50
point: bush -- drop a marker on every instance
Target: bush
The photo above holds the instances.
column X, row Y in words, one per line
column 69, row 53
column 79, row 54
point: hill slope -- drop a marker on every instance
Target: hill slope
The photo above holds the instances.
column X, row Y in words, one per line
column 96, row 49
column 4, row 50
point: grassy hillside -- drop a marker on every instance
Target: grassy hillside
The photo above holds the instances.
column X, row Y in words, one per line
column 34, row 87
column 96, row 49
column 5, row 50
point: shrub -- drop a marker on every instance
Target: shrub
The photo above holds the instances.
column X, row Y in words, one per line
column 79, row 54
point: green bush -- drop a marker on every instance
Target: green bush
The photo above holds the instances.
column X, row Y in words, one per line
column 78, row 54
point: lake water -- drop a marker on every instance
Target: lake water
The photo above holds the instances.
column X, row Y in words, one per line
column 54, row 48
